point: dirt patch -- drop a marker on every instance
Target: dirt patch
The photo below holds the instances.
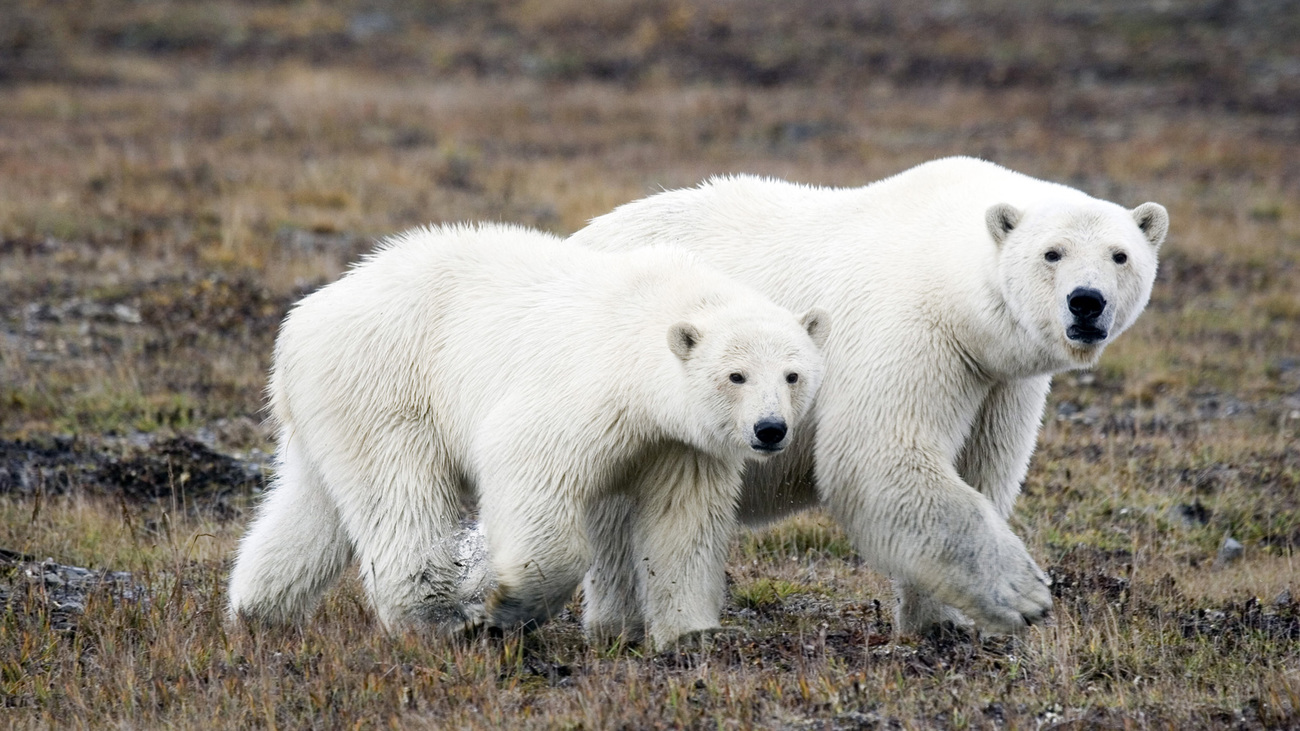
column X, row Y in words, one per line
column 178, row 466
column 174, row 467
column 1234, row 621
column 211, row 304
column 50, row 465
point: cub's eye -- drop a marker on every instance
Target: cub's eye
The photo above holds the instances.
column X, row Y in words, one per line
column 1052, row 255
column 1120, row 257
column 737, row 378
column 792, row 378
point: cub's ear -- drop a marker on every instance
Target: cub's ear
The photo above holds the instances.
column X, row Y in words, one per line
column 1001, row 218
column 682, row 338
column 1153, row 219
column 818, row 324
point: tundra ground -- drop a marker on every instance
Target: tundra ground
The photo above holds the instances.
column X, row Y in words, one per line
column 173, row 176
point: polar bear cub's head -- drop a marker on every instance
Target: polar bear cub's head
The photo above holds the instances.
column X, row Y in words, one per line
column 1078, row 274
column 754, row 369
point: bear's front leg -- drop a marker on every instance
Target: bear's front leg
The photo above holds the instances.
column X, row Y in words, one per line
column 888, row 474
column 918, row 613
column 611, row 608
column 945, row 542
column 994, row 461
column 686, row 518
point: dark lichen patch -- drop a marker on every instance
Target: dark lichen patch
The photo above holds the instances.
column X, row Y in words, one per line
column 179, row 468
column 175, row 468
column 46, row 464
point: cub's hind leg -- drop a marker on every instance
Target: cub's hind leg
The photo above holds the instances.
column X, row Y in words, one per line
column 295, row 547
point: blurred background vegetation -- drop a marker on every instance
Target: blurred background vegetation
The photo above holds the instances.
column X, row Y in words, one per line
column 1234, row 54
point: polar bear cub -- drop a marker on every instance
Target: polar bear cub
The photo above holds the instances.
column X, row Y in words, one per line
column 596, row 405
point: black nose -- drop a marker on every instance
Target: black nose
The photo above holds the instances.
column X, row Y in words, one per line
column 1086, row 304
column 770, row 431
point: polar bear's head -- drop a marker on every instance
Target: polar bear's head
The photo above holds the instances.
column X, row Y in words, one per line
column 751, row 372
column 1077, row 274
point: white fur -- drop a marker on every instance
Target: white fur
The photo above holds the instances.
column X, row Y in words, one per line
column 949, row 323
column 582, row 397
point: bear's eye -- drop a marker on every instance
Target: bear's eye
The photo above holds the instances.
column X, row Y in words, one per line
column 1052, row 255
column 737, row 378
column 1120, row 257
column 792, row 378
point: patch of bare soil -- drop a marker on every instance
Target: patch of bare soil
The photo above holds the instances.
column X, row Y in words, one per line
column 175, row 467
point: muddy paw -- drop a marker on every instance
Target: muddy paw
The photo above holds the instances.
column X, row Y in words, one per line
column 1015, row 599
column 471, row 622
column 996, row 584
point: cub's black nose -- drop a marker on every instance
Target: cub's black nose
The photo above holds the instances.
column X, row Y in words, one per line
column 770, row 431
column 1086, row 304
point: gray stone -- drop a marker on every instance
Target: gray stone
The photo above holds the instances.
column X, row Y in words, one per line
column 1230, row 552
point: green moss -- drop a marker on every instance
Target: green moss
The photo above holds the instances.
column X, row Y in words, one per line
column 765, row 593
column 801, row 538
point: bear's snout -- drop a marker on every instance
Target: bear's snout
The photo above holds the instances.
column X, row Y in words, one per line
column 769, row 432
column 1086, row 303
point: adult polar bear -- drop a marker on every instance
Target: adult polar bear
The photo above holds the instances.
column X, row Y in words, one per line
column 592, row 403
column 957, row 289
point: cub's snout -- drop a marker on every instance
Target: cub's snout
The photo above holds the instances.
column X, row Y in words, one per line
column 770, row 434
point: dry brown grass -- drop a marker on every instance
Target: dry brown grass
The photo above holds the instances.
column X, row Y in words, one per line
column 202, row 166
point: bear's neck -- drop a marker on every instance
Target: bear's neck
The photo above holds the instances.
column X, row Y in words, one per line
column 999, row 348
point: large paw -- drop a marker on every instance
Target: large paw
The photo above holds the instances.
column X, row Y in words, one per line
column 997, row 585
column 918, row 613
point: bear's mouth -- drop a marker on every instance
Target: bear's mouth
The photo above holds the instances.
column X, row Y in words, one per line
column 1086, row 334
column 767, row 448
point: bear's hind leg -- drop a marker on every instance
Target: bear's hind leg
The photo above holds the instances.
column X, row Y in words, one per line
column 406, row 551
column 538, row 548
column 611, row 608
column 399, row 500
column 294, row 549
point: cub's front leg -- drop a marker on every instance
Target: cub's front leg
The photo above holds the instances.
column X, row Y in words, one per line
column 683, row 526
column 611, row 596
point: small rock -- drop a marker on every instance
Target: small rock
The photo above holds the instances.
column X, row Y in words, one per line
column 1190, row 516
column 365, row 26
column 1283, row 598
column 1231, row 551
column 126, row 314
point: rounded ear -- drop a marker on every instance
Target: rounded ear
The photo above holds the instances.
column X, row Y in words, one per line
column 1001, row 218
column 682, row 337
column 1153, row 219
column 818, row 324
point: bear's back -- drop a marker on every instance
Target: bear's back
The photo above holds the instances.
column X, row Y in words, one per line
column 465, row 316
